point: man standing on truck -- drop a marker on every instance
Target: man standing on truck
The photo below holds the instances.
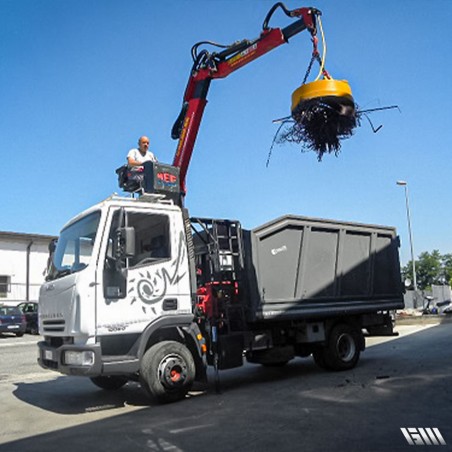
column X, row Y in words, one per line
column 138, row 158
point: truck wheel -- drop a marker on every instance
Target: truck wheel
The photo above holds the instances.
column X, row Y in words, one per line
column 110, row 383
column 343, row 349
column 319, row 358
column 167, row 371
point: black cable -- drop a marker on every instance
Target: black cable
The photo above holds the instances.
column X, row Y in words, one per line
column 194, row 49
column 271, row 12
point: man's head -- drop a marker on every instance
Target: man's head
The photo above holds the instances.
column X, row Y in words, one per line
column 143, row 144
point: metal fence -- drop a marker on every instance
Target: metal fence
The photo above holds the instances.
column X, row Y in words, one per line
column 419, row 299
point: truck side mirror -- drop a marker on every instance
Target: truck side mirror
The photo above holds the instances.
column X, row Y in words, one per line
column 125, row 242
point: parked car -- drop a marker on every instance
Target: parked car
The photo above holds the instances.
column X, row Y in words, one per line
column 12, row 320
column 30, row 310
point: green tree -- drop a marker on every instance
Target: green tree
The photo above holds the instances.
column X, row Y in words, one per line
column 447, row 267
column 431, row 268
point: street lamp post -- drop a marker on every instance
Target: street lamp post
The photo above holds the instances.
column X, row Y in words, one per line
column 405, row 185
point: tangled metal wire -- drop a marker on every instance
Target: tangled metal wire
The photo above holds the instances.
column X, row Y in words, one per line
column 320, row 124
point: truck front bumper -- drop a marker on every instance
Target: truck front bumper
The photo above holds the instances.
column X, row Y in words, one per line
column 71, row 359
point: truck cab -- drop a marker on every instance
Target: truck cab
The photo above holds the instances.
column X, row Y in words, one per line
column 120, row 276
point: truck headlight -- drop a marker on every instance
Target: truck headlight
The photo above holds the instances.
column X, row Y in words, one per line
column 74, row 358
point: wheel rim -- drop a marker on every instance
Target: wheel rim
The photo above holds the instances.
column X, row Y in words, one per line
column 172, row 371
column 346, row 347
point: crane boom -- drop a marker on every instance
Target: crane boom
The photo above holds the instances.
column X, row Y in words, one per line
column 208, row 66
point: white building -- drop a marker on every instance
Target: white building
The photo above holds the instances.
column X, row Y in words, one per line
column 23, row 261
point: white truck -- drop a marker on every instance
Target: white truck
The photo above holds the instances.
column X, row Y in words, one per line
column 138, row 290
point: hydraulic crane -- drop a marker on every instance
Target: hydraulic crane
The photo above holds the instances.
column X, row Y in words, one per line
column 208, row 66
column 323, row 111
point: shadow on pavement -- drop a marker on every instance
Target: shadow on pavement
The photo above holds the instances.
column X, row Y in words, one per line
column 83, row 396
column 401, row 383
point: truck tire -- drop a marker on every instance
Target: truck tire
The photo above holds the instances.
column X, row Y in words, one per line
column 167, row 371
column 110, row 383
column 343, row 347
column 319, row 358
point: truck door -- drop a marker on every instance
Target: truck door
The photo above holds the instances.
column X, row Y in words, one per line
column 153, row 282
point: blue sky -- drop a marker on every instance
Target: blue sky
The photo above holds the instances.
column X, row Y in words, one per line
column 81, row 80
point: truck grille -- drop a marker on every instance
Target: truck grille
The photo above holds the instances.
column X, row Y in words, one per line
column 53, row 325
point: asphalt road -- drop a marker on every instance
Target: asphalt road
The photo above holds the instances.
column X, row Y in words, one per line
column 403, row 382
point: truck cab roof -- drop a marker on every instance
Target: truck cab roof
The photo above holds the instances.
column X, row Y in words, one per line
column 156, row 201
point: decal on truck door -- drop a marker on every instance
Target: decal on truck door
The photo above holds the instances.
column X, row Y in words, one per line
column 158, row 263
column 151, row 285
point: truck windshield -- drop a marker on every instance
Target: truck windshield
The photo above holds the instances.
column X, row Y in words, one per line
column 75, row 246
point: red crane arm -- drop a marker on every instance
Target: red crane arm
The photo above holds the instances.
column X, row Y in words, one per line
column 219, row 65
